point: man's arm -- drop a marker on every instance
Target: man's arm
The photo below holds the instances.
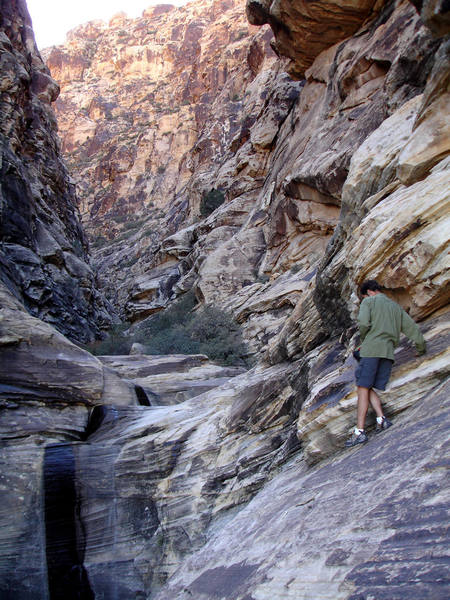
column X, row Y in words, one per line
column 412, row 331
column 364, row 320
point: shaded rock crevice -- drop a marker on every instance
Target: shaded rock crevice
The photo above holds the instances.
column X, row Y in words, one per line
column 43, row 250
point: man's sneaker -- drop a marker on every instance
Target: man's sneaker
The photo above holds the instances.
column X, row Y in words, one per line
column 356, row 438
column 385, row 424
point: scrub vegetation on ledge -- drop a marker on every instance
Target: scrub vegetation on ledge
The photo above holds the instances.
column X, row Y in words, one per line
column 180, row 329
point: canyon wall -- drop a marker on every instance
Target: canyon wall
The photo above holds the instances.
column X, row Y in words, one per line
column 148, row 110
column 277, row 149
column 244, row 490
column 43, row 250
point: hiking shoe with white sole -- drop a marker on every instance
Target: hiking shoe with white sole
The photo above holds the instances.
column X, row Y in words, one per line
column 385, row 424
column 356, row 438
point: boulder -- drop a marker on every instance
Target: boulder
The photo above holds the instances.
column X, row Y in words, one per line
column 40, row 365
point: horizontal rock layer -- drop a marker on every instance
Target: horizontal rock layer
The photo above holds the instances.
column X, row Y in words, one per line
column 170, row 379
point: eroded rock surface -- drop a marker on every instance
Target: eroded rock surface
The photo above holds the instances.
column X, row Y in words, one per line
column 43, row 254
column 300, row 539
column 280, row 155
column 304, row 29
column 48, row 388
column 245, row 491
column 171, row 379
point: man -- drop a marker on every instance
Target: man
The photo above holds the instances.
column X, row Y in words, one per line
column 380, row 320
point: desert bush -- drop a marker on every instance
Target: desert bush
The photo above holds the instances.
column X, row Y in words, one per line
column 209, row 330
column 99, row 242
column 177, row 314
column 210, row 201
column 218, row 335
column 115, row 343
column 180, row 330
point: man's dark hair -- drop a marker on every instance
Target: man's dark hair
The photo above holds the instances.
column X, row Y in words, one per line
column 371, row 285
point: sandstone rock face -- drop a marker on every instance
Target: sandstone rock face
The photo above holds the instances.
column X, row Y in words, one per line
column 244, row 491
column 48, row 386
column 280, row 155
column 435, row 14
column 43, row 252
column 213, row 497
column 134, row 95
column 171, row 379
column 299, row 539
column 371, row 225
column 41, row 365
column 304, row 29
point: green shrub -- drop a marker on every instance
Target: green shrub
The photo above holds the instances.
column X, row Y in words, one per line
column 218, row 335
column 116, row 342
column 178, row 330
column 210, row 201
column 120, row 218
column 177, row 314
column 129, row 263
column 133, row 224
column 99, row 242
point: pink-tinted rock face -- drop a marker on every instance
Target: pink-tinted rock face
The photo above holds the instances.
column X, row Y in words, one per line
column 175, row 105
column 43, row 251
column 136, row 93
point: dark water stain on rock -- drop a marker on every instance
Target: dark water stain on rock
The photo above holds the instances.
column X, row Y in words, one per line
column 67, row 577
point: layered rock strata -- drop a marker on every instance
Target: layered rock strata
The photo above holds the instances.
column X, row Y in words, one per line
column 171, row 379
column 387, row 173
column 43, row 250
column 280, row 155
column 48, row 387
column 299, row 539
column 53, row 397
column 135, row 93
column 163, row 490
column 304, row 29
column 245, row 491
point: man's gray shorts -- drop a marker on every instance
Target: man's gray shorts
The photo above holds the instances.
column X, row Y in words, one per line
column 373, row 372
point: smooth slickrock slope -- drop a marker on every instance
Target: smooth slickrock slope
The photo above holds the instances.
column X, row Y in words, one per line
column 43, row 251
column 369, row 524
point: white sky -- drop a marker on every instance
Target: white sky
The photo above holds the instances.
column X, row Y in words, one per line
column 52, row 19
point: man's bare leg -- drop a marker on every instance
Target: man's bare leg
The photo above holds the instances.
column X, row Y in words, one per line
column 375, row 402
column 363, row 406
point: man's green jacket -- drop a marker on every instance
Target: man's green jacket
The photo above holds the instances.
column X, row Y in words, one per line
column 381, row 320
